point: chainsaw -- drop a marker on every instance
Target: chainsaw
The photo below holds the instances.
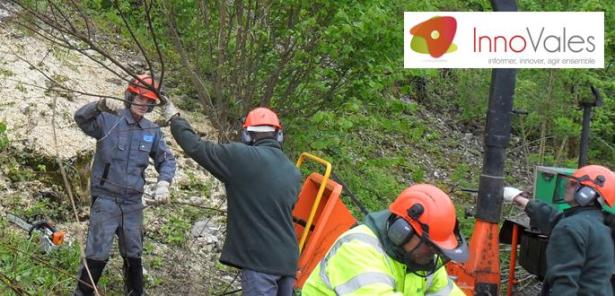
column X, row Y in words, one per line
column 51, row 238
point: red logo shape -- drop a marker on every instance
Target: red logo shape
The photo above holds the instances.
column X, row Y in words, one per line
column 438, row 32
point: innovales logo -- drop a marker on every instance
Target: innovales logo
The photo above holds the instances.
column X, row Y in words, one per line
column 434, row 36
column 449, row 39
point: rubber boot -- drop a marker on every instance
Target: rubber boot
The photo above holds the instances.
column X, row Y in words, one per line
column 133, row 276
column 85, row 287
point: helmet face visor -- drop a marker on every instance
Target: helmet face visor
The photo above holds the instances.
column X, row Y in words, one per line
column 563, row 185
column 428, row 267
column 147, row 90
column 138, row 102
column 460, row 253
column 454, row 247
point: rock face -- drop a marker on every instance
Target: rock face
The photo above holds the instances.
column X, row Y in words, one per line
column 28, row 103
column 6, row 10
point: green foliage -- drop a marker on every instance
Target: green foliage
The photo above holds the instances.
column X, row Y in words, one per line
column 18, row 173
column 174, row 231
column 35, row 207
column 462, row 176
column 178, row 222
column 4, row 140
column 194, row 185
column 369, row 149
column 38, row 274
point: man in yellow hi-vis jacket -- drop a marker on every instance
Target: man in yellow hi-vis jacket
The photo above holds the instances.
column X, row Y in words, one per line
column 399, row 251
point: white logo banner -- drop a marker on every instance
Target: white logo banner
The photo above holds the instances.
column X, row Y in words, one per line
column 504, row 39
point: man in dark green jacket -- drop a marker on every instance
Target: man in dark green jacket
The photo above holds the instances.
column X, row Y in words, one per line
column 580, row 257
column 262, row 186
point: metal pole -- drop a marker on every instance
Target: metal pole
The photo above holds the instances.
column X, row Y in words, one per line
column 498, row 128
column 513, row 259
column 584, row 145
column 489, row 204
column 480, row 275
column 587, row 117
column 484, row 242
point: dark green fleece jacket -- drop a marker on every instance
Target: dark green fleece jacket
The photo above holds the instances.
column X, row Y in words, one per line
column 262, row 185
column 580, row 251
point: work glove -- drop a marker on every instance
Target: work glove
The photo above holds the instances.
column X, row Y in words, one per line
column 511, row 192
column 161, row 195
column 168, row 110
column 110, row 105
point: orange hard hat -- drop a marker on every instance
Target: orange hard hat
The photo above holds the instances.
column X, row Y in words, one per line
column 262, row 119
column 431, row 214
column 138, row 88
column 599, row 178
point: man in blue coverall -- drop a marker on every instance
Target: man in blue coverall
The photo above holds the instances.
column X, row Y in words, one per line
column 125, row 143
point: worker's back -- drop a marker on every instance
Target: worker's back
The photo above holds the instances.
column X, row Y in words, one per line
column 580, row 254
column 262, row 191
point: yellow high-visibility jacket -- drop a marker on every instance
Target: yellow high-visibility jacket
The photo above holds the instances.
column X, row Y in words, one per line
column 358, row 265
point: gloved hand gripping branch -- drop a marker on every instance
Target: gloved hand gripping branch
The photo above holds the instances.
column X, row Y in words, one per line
column 168, row 110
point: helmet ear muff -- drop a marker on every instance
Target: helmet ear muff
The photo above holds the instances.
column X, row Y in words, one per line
column 584, row 195
column 279, row 136
column 246, row 138
column 399, row 231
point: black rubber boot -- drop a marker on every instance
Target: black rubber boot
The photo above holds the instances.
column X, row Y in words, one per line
column 85, row 287
column 133, row 276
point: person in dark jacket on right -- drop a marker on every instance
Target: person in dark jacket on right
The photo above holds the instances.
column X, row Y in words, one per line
column 262, row 185
column 580, row 253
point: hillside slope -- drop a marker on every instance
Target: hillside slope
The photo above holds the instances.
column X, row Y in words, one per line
column 181, row 253
column 183, row 239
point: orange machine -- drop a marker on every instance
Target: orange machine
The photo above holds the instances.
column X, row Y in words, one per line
column 321, row 210
column 480, row 275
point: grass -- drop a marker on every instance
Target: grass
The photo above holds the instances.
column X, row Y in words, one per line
column 38, row 274
column 380, row 149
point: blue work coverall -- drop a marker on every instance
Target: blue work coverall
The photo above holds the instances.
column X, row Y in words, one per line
column 123, row 149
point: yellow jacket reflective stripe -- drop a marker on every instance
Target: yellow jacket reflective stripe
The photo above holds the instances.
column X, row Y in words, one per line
column 358, row 265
